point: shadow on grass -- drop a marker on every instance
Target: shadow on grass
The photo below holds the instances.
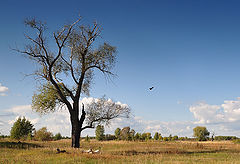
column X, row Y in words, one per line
column 18, row 145
column 133, row 152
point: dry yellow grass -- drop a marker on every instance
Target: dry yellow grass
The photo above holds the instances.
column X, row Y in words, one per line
column 125, row 152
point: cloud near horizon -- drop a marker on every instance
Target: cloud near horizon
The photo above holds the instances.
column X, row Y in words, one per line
column 227, row 112
column 3, row 90
column 221, row 119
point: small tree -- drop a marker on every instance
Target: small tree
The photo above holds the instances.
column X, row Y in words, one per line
column 175, row 138
column 117, row 133
column 58, row 136
column 201, row 133
column 143, row 136
column 87, row 139
column 160, row 137
column 137, row 136
column 165, row 138
column 22, row 128
column 43, row 135
column 149, row 136
column 132, row 134
column 146, row 136
column 156, row 136
column 99, row 132
column 125, row 133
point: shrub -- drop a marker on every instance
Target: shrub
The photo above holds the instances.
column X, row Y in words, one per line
column 43, row 135
column 21, row 129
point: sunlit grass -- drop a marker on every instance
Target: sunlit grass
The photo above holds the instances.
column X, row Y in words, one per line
column 123, row 152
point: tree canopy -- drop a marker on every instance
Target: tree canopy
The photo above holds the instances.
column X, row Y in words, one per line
column 22, row 128
column 201, row 133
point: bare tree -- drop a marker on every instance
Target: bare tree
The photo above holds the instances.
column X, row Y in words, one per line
column 75, row 57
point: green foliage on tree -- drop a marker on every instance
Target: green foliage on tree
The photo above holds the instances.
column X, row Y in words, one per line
column 58, row 136
column 137, row 136
column 117, row 133
column 224, row 138
column 47, row 98
column 143, row 136
column 99, row 132
column 149, row 136
column 156, row 136
column 109, row 137
column 160, row 137
column 146, row 136
column 21, row 129
column 201, row 133
column 165, row 138
column 132, row 134
column 125, row 133
column 43, row 135
column 175, row 138
column 29, row 136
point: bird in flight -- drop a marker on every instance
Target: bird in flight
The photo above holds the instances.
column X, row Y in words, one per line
column 151, row 88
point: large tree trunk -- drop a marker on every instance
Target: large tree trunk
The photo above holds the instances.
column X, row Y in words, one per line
column 76, row 129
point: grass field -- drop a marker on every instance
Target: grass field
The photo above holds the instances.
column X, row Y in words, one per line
column 121, row 152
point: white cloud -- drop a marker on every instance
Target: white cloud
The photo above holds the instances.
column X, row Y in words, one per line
column 227, row 112
column 3, row 90
column 21, row 110
column 231, row 110
column 205, row 113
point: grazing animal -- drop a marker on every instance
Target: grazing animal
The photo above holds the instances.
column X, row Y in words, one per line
column 151, row 88
column 60, row 151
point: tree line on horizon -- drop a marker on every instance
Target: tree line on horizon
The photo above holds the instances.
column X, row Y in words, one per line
column 200, row 133
column 23, row 129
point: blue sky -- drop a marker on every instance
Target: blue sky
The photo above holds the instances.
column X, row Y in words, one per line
column 188, row 50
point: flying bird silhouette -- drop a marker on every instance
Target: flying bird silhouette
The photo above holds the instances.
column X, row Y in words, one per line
column 151, row 88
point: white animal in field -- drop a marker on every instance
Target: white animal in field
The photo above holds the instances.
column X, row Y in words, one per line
column 97, row 151
column 90, row 151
